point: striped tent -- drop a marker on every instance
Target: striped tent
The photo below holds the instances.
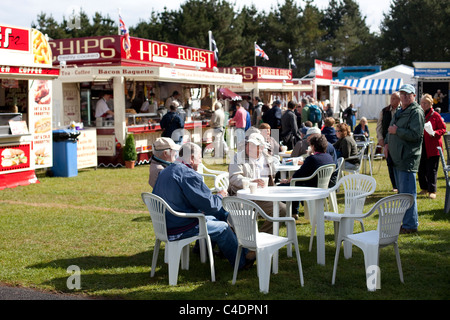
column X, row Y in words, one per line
column 374, row 86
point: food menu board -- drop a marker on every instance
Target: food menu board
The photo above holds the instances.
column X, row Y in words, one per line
column 40, row 122
column 15, row 157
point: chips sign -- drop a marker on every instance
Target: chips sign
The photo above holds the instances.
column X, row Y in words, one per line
column 24, row 47
column 101, row 50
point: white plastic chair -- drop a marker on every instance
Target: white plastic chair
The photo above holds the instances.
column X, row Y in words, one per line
column 358, row 156
column 175, row 250
column 332, row 199
column 323, row 174
column 244, row 214
column 446, row 169
column 206, row 172
column 357, row 187
column 222, row 181
column 391, row 211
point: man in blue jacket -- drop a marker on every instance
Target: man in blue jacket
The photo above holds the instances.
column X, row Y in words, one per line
column 184, row 191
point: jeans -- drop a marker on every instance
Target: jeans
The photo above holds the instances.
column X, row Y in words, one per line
column 221, row 234
column 406, row 183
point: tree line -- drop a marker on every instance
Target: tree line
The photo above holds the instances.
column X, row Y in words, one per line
column 412, row 30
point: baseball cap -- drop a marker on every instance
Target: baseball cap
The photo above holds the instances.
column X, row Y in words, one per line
column 313, row 130
column 257, row 139
column 161, row 144
column 408, row 88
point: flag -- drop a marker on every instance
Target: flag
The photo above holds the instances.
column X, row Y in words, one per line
column 260, row 52
column 291, row 60
column 214, row 48
column 124, row 32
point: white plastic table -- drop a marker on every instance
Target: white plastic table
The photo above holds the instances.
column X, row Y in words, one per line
column 286, row 170
column 315, row 198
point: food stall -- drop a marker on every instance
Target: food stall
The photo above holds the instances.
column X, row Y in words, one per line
column 26, row 105
column 149, row 72
column 434, row 78
column 269, row 84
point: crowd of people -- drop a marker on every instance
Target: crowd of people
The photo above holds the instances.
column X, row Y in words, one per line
column 408, row 131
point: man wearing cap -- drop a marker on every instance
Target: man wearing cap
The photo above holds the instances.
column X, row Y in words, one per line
column 273, row 116
column 182, row 187
column 164, row 153
column 404, row 145
column 253, row 162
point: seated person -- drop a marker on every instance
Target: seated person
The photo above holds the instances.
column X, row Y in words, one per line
column 346, row 146
column 184, row 191
column 301, row 147
column 253, row 162
column 164, row 153
column 362, row 128
column 273, row 145
column 329, row 131
column 318, row 158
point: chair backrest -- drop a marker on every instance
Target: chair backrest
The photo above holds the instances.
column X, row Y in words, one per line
column 244, row 214
column 391, row 211
column 324, row 174
column 222, row 181
column 157, row 208
column 360, row 138
column 340, row 166
column 355, row 185
column 447, row 146
column 445, row 167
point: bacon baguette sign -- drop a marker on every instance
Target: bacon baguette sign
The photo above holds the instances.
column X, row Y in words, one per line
column 95, row 50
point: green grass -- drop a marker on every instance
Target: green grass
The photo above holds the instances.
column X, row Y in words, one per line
column 98, row 222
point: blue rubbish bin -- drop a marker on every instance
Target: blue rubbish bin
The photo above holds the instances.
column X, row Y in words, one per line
column 65, row 153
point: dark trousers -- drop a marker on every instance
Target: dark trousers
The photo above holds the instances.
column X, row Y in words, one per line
column 392, row 176
column 428, row 168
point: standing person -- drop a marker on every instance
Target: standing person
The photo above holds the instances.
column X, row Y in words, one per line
column 174, row 97
column 349, row 115
column 298, row 113
column 404, row 144
column 273, row 117
column 432, row 138
column 384, row 120
column 257, row 112
column 239, row 121
column 217, row 123
column 305, row 109
column 172, row 122
column 101, row 108
column 150, row 105
column 182, row 187
column 164, row 153
column 289, row 130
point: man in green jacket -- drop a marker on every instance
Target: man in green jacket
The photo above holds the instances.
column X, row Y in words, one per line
column 404, row 146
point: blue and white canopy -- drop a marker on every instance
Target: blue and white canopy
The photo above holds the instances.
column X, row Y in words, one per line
column 374, row 86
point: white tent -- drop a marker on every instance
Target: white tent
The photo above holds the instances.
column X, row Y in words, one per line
column 373, row 92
